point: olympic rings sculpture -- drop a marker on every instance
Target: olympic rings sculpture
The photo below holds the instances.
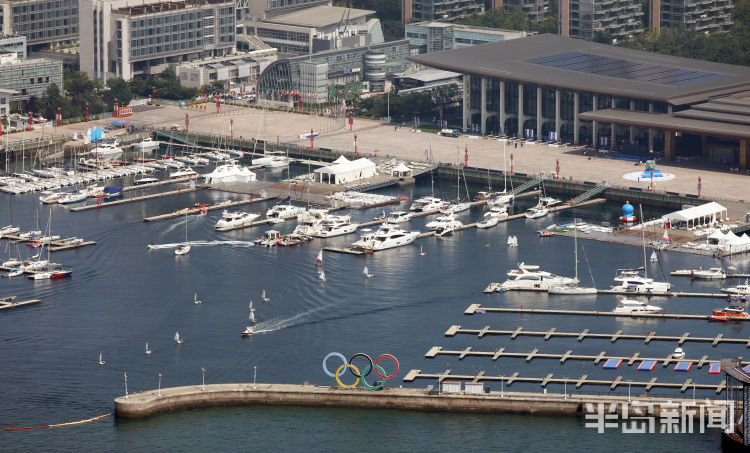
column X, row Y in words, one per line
column 354, row 370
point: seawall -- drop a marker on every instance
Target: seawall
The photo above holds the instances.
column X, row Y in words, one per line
column 145, row 404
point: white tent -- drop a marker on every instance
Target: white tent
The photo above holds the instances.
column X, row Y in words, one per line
column 690, row 218
column 347, row 172
column 341, row 160
column 401, row 170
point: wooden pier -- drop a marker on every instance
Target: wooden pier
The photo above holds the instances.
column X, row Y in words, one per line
column 10, row 302
column 568, row 355
column 58, row 245
column 550, row 379
column 474, row 308
column 612, row 337
column 225, row 205
column 160, row 183
column 135, row 199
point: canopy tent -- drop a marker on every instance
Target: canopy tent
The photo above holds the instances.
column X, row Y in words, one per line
column 401, row 170
column 341, row 160
column 347, row 172
column 690, row 218
column 730, row 242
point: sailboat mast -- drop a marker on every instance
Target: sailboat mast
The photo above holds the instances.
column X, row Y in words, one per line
column 505, row 171
column 575, row 244
column 643, row 240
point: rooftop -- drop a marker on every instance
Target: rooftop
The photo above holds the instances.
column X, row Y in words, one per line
column 320, row 16
column 164, row 6
column 588, row 66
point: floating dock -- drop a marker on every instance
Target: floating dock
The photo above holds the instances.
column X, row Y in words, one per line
column 474, row 308
column 135, row 199
column 57, row 245
column 10, row 302
column 612, row 337
column 153, row 402
column 160, row 183
column 583, row 380
column 214, row 207
column 568, row 355
column 496, row 287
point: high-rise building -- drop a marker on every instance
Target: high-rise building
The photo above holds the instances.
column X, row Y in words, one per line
column 28, row 77
column 708, row 16
column 45, row 23
column 450, row 10
column 617, row 19
column 125, row 38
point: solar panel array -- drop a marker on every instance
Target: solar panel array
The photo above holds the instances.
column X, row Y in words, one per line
column 626, row 69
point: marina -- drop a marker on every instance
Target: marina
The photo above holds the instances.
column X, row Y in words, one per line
column 478, row 308
column 54, row 245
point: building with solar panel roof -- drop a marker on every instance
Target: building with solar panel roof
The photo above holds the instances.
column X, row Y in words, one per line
column 552, row 88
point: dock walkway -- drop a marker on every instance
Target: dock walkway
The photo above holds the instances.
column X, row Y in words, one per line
column 56, row 245
column 10, row 302
column 193, row 210
column 474, row 308
column 612, row 337
column 135, row 199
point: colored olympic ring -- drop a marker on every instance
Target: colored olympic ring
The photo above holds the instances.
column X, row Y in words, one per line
column 341, row 371
column 325, row 361
column 360, row 376
column 369, row 367
column 391, row 376
column 379, row 385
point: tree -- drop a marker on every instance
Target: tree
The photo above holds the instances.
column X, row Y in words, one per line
column 117, row 89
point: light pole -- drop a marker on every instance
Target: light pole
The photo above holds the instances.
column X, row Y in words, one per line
column 126, row 384
column 629, row 383
column 204, row 378
column 565, row 388
column 502, row 386
column 255, row 374
column 159, row 384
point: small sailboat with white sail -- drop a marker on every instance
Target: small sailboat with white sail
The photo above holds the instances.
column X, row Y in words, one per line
column 367, row 273
column 322, row 276
column 148, row 350
column 177, row 338
column 101, row 361
column 196, row 301
column 422, row 252
column 512, row 241
column 184, row 249
column 265, row 297
column 319, row 258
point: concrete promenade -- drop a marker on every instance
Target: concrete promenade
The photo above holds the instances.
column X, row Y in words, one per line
column 153, row 402
column 376, row 138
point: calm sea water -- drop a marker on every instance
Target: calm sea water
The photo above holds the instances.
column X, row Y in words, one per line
column 122, row 296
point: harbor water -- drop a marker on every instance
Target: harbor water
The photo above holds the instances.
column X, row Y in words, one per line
column 122, row 295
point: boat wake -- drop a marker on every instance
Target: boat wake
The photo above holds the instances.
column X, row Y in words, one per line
column 201, row 244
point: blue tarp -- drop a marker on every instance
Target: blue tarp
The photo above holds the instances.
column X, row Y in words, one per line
column 112, row 189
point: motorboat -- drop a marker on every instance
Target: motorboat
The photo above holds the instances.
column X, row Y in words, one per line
column 536, row 211
column 336, row 226
column 272, row 159
column 713, row 273
column 310, row 222
column 443, row 220
column 548, row 202
column 269, row 238
column 188, row 160
column 146, row 145
column 107, row 151
column 641, row 285
column 9, row 229
column 284, row 211
column 733, row 312
column 145, row 180
column 292, row 239
column 445, row 230
column 234, row 218
column 455, row 208
column 12, row 263
column 530, row 277
column 678, row 353
column 386, row 237
column 51, row 274
column 230, row 172
column 399, row 217
column 739, row 290
column 182, row 250
column 30, row 234
column 488, row 222
column 50, row 197
column 498, row 212
column 426, row 204
column 218, row 156
column 173, row 164
column 182, row 173
column 17, row 272
column 72, row 197
column 248, row 331
column 635, row 307
column 94, row 191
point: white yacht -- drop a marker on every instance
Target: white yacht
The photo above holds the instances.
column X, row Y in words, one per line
column 385, row 237
column 399, row 217
column 173, row 164
column 269, row 238
column 230, row 172
column 310, row 221
column 50, row 197
column 145, row 180
column 488, row 222
column 632, row 283
column 146, row 145
column 740, row 290
column 234, row 218
column 443, row 220
column 714, row 273
column 498, row 212
column 426, row 204
column 182, row 173
column 635, row 307
column 537, row 211
column 574, row 289
column 549, row 201
column 272, row 159
column 94, row 191
column 9, row 229
column 107, row 151
column 284, row 211
column 72, row 197
column 529, row 276
column 336, row 226
column 455, row 207
column 678, row 353
column 218, row 156
column 447, row 230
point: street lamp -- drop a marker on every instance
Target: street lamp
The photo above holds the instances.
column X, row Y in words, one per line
column 126, row 384
column 204, row 378
column 629, row 383
column 565, row 388
column 159, row 384
column 502, row 386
